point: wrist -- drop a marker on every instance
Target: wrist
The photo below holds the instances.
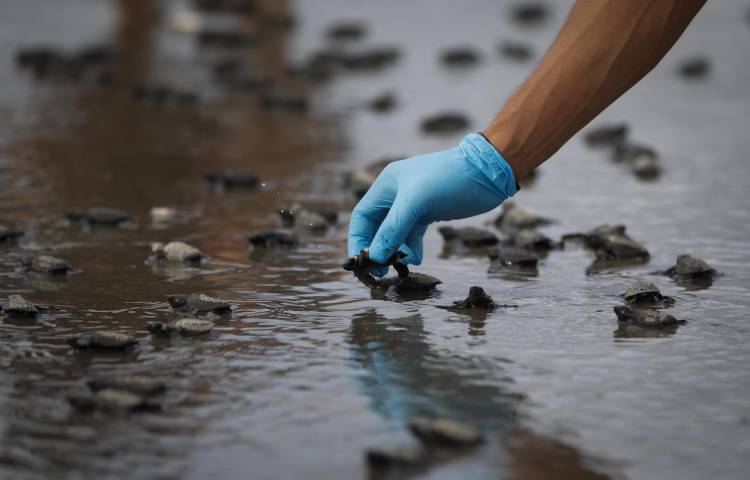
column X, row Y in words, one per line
column 488, row 160
column 502, row 137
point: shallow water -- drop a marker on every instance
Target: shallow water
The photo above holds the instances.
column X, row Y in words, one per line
column 311, row 369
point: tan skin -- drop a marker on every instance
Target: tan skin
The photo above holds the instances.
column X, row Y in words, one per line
column 588, row 66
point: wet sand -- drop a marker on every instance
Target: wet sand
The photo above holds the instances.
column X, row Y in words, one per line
column 311, row 369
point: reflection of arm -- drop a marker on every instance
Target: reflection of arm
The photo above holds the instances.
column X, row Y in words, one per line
column 603, row 49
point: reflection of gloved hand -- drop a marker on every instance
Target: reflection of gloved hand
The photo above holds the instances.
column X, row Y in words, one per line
column 461, row 182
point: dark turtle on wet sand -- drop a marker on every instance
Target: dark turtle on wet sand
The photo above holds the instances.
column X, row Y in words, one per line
column 99, row 216
column 198, row 303
column 48, row 265
column 348, row 31
column 316, row 220
column 232, row 179
column 611, row 242
column 445, row 123
column 606, row 135
column 688, row 267
column 9, row 233
column 189, row 327
column 694, row 68
column 17, row 306
column 515, row 50
column 468, row 236
column 400, row 458
column 385, row 102
column 361, row 263
column 645, row 317
column 529, row 13
column 113, row 401
column 413, row 282
column 176, row 252
column 531, row 239
column 460, row 57
column 444, row 432
column 104, row 340
column 476, row 300
column 513, row 218
column 645, row 293
column 137, row 385
column 277, row 238
column 512, row 257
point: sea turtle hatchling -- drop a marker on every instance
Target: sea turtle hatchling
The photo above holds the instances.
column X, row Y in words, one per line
column 277, row 238
column 48, row 264
column 198, row 303
column 176, row 252
column 512, row 257
column 9, row 233
column 471, row 237
column 476, row 300
column 103, row 340
column 413, row 282
column 645, row 317
column 645, row 293
column 189, row 327
column 361, row 264
column 531, row 239
column 17, row 306
column 689, row 267
column 99, row 216
column 606, row 135
column 112, row 401
column 513, row 218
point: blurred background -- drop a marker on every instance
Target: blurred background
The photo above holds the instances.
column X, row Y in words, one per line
column 201, row 120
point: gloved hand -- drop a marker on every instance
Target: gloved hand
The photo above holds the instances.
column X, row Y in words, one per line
column 410, row 194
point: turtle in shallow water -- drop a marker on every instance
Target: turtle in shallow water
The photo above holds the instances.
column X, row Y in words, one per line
column 113, row 401
column 99, row 216
column 689, row 267
column 398, row 458
column 104, row 340
column 444, row 432
column 694, row 68
column 47, row 264
column 515, row 50
column 512, row 257
column 476, row 300
column 471, row 237
column 137, row 385
column 346, row 31
column 606, row 135
column 645, row 293
column 277, row 238
column 529, row 13
column 176, row 252
column 413, row 282
column 531, row 239
column 198, row 303
column 232, row 179
column 513, row 218
column 316, row 220
column 17, row 306
column 385, row 102
column 189, row 327
column 460, row 57
column 611, row 242
column 9, row 233
column 645, row 317
column 445, row 123
column 361, row 264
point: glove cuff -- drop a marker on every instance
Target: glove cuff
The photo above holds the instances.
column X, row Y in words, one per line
column 483, row 155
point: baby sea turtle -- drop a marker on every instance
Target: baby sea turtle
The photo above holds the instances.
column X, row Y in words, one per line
column 346, row 31
column 176, row 252
column 413, row 282
column 137, row 385
column 360, row 265
column 645, row 317
column 513, row 218
column 445, row 123
column 9, row 233
column 471, row 237
column 515, row 50
column 460, row 57
column 99, row 216
column 198, row 303
column 189, row 327
column 477, row 299
column 645, row 167
column 163, row 215
column 512, row 257
column 17, row 306
column 277, row 238
column 645, row 293
column 232, row 179
column 400, row 458
column 694, row 68
column 104, row 340
column 529, row 13
column 315, row 220
column 688, row 267
column 444, row 432
column 372, row 58
column 113, row 401
column 531, row 239
column 606, row 135
column 48, row 265
column 385, row 102
column 612, row 242
column 628, row 152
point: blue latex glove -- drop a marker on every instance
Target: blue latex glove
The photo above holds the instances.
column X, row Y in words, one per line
column 410, row 194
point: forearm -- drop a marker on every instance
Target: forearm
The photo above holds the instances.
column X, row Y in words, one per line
column 603, row 49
